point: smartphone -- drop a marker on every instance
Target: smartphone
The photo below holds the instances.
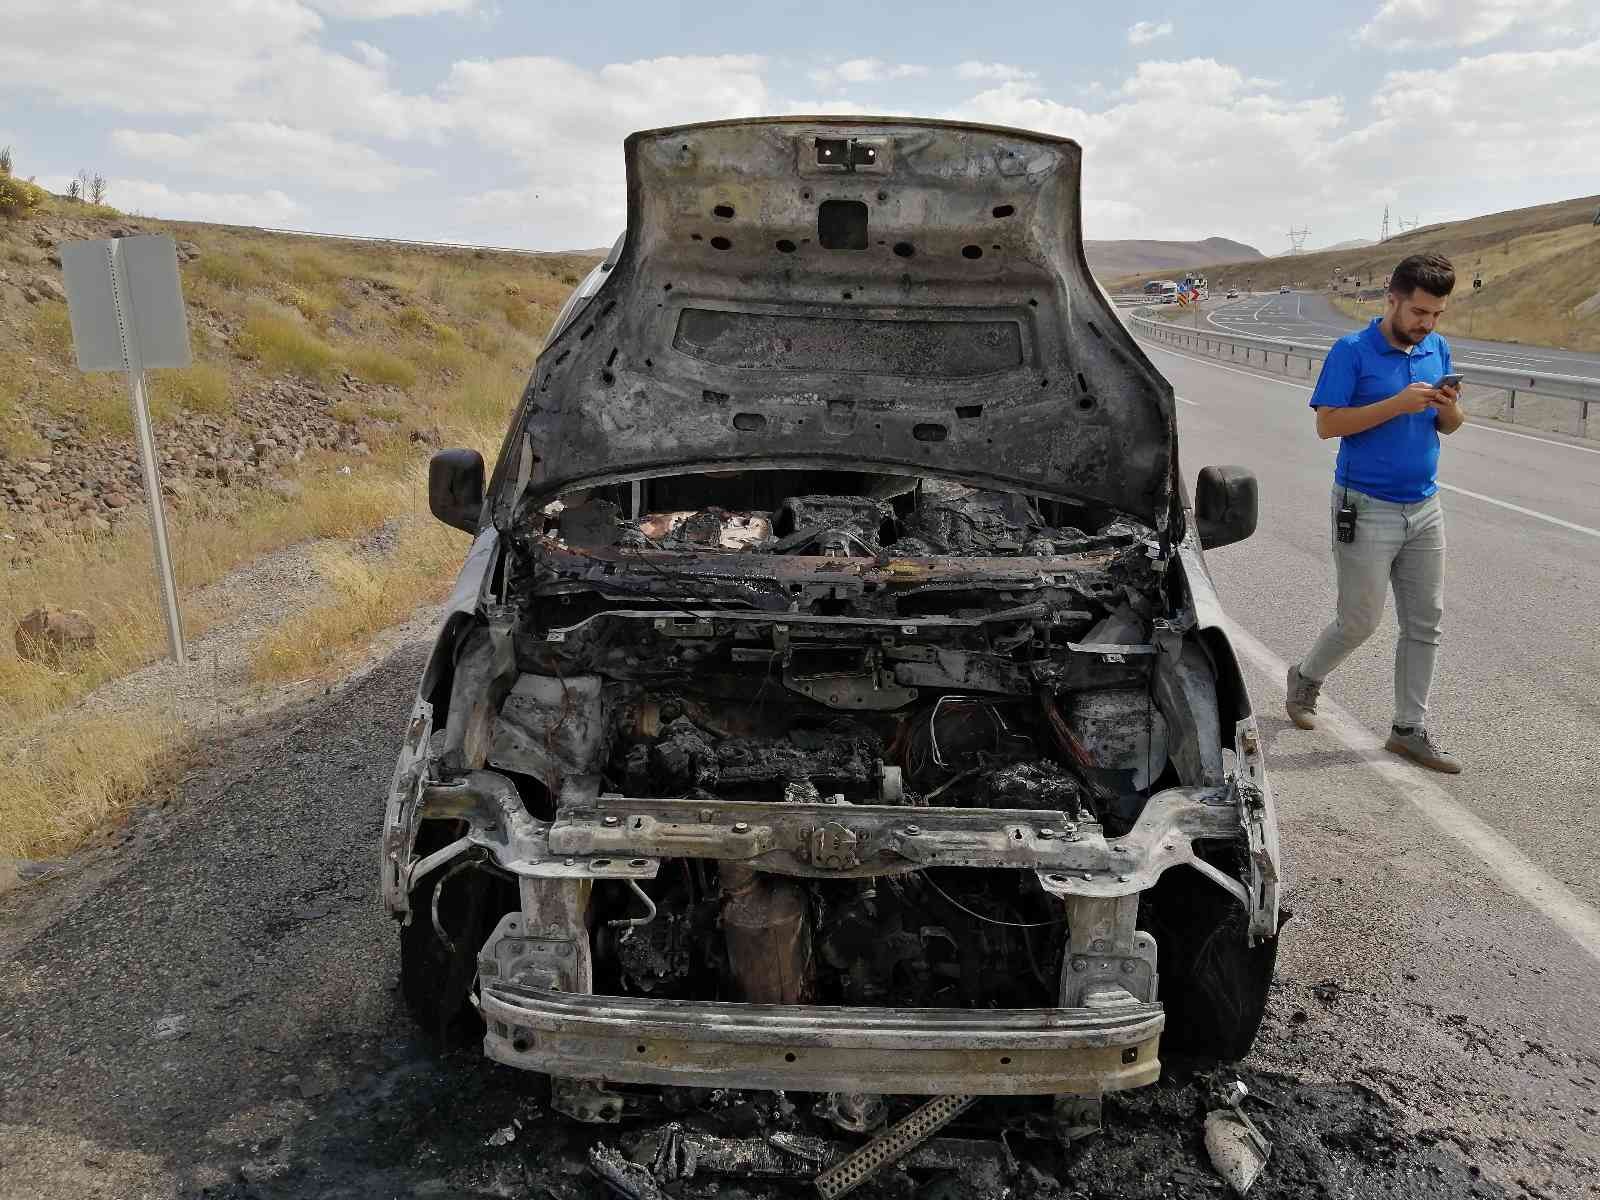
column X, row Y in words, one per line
column 1450, row 381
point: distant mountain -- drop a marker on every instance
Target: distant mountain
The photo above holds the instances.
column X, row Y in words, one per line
column 1110, row 259
column 1538, row 266
column 1350, row 244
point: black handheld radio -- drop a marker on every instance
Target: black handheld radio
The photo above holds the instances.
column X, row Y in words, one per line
column 1344, row 521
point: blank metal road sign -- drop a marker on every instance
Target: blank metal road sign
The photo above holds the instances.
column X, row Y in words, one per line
column 142, row 274
column 126, row 307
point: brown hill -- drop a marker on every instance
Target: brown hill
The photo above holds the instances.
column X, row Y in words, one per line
column 1110, row 259
column 1540, row 268
column 305, row 347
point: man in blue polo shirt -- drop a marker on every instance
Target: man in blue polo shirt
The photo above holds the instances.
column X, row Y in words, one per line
column 1379, row 394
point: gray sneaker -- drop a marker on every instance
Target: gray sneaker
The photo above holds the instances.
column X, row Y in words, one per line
column 1419, row 747
column 1301, row 701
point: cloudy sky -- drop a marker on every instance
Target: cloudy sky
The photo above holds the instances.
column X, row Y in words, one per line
column 500, row 122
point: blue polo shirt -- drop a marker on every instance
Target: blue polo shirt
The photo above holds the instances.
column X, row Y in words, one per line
column 1398, row 460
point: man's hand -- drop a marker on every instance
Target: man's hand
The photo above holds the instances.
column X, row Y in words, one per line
column 1448, row 407
column 1346, row 422
column 1413, row 399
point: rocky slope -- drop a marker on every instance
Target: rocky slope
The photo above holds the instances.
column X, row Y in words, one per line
column 67, row 456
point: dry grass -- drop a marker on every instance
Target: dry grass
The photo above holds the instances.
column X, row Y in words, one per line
column 110, row 578
column 377, row 365
column 441, row 357
column 202, row 388
column 62, row 787
column 315, row 304
column 284, row 344
column 479, row 404
column 459, row 341
column 235, row 272
column 1530, row 289
column 368, row 597
column 57, row 394
column 18, row 438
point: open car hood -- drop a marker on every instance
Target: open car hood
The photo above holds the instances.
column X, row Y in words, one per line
column 855, row 294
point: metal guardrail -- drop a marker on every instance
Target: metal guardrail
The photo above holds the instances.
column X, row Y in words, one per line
column 1229, row 345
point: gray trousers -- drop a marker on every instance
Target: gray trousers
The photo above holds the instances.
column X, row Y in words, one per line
column 1400, row 545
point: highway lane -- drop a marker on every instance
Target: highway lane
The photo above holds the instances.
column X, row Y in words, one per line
column 1406, row 884
column 1310, row 317
column 1517, row 694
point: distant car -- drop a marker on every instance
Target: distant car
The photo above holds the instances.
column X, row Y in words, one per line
column 1233, row 293
column 1283, row 289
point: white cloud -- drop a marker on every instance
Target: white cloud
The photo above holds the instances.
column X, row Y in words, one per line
column 570, row 143
column 833, row 108
column 1489, row 119
column 1196, row 148
column 229, row 59
column 864, row 70
column 268, row 150
column 153, row 199
column 992, row 70
column 380, row 10
column 588, row 112
column 559, row 216
column 1408, row 24
column 241, row 98
column 1141, row 32
column 141, row 58
column 1185, row 149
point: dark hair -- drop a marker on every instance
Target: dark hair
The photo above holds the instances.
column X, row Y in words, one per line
column 1430, row 272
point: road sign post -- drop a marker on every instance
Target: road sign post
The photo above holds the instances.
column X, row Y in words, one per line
column 126, row 308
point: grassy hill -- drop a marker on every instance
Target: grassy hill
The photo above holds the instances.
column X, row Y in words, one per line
column 1540, row 269
column 325, row 374
column 1114, row 258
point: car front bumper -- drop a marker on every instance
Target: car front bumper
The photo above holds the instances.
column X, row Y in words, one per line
column 626, row 1039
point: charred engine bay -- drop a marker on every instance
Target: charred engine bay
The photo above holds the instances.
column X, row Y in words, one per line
column 904, row 642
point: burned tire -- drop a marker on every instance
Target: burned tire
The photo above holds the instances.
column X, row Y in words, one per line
column 1214, row 984
column 435, row 977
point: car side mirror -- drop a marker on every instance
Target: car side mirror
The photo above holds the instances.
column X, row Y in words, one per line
column 1225, row 505
column 455, row 488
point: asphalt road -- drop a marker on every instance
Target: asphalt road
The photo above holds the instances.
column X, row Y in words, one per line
column 207, row 1006
column 1310, row 317
column 1479, row 892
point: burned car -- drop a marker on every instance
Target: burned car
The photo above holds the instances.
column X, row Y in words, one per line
column 835, row 699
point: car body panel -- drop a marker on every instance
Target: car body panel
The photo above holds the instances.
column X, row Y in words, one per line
column 797, row 643
column 692, row 356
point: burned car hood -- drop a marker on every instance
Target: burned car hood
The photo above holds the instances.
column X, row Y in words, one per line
column 860, row 294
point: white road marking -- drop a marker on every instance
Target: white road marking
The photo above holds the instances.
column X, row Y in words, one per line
column 1530, row 437
column 1206, row 362
column 1517, row 508
column 1184, row 400
column 1518, row 873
